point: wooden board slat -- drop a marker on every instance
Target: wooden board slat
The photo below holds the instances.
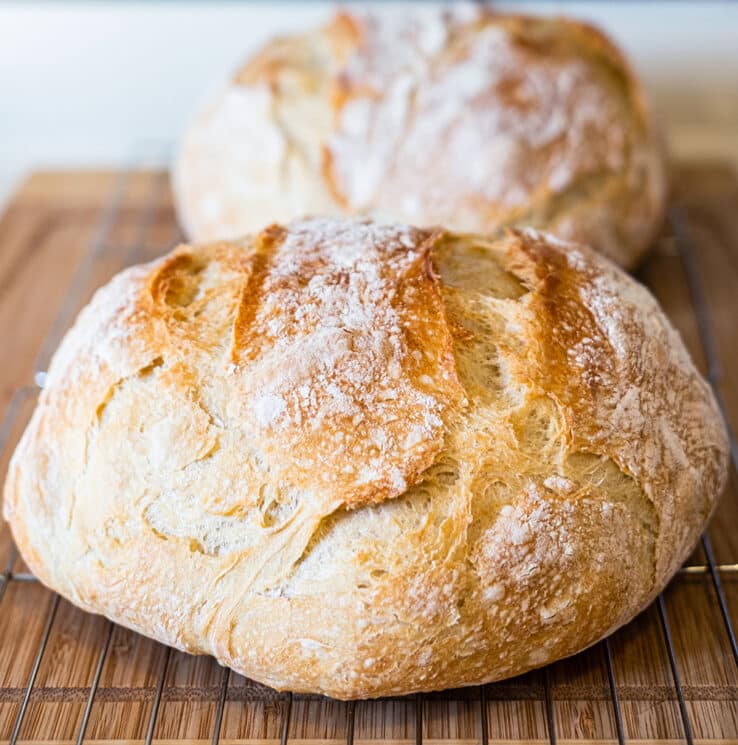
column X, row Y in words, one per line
column 63, row 235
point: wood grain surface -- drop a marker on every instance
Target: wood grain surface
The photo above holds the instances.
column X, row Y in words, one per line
column 66, row 233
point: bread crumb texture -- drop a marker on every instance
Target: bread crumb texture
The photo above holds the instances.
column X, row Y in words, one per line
column 364, row 459
column 459, row 116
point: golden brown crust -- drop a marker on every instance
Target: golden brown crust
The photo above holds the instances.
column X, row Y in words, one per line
column 468, row 118
column 568, row 456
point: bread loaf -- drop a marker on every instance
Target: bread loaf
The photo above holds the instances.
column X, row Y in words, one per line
column 362, row 459
column 464, row 118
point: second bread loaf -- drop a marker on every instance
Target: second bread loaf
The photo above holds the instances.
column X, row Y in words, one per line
column 466, row 118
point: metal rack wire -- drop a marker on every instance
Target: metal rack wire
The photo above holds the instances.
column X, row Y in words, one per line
column 686, row 251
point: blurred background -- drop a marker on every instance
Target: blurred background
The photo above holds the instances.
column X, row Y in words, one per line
column 99, row 83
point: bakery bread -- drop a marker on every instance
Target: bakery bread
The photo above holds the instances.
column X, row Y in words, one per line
column 457, row 117
column 363, row 459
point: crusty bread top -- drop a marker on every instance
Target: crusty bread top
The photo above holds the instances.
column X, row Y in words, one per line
column 339, row 342
column 364, row 460
column 459, row 117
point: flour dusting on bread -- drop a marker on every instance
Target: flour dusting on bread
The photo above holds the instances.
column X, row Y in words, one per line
column 535, row 117
column 346, row 357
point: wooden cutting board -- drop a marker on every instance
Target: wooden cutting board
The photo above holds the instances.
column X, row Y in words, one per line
column 64, row 234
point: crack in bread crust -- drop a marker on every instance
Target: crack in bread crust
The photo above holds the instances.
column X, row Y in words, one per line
column 572, row 456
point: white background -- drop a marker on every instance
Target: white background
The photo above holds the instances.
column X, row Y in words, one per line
column 87, row 83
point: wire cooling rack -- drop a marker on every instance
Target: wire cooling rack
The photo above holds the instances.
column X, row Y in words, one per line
column 628, row 687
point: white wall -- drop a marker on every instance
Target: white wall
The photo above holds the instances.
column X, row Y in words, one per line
column 85, row 83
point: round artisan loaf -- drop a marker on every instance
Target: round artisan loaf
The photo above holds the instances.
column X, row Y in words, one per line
column 364, row 459
column 463, row 118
